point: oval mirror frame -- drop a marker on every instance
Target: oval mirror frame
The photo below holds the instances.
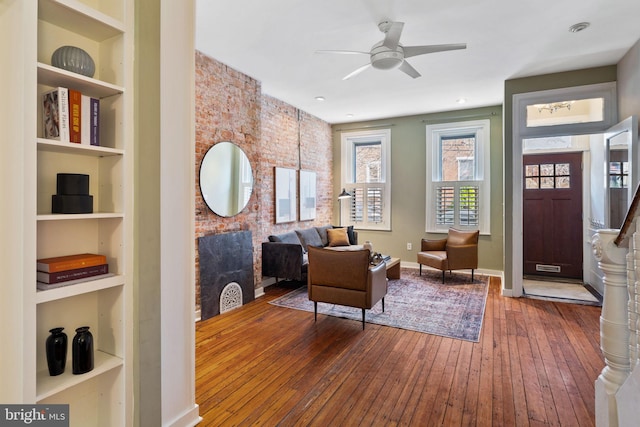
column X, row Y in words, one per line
column 226, row 179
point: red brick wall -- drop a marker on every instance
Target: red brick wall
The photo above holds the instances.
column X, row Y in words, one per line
column 231, row 107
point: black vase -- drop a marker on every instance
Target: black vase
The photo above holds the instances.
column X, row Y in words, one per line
column 56, row 347
column 82, row 351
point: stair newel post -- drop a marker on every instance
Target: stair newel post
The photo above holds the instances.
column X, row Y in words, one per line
column 614, row 325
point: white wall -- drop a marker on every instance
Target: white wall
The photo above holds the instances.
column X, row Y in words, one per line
column 177, row 201
column 629, row 83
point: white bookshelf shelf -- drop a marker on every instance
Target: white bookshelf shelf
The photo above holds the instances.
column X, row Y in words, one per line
column 80, row 18
column 78, row 289
column 51, row 76
column 54, row 146
column 48, row 386
column 69, row 217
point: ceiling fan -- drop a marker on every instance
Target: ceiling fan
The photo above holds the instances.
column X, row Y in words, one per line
column 389, row 53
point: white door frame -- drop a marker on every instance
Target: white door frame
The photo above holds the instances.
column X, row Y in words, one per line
column 607, row 91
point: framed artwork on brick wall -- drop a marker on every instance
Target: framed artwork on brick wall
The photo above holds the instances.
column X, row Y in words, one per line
column 286, row 195
column 307, row 195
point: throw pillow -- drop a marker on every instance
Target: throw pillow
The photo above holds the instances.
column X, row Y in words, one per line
column 350, row 234
column 338, row 237
column 309, row 237
column 322, row 231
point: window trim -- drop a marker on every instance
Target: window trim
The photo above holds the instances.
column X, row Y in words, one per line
column 348, row 141
column 480, row 130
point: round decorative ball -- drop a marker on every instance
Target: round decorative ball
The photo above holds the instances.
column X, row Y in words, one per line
column 73, row 59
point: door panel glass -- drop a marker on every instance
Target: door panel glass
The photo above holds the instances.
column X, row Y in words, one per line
column 533, row 183
column 548, row 175
column 546, row 182
column 546, row 170
column 563, row 182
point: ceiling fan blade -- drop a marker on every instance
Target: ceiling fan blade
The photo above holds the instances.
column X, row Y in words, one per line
column 406, row 68
column 392, row 35
column 343, row 52
column 356, row 72
column 410, row 51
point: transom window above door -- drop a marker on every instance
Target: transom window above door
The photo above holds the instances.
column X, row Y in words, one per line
column 565, row 112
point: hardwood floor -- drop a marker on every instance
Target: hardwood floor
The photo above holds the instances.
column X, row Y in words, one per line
column 535, row 365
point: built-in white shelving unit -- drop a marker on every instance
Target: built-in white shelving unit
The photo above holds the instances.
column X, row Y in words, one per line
column 104, row 29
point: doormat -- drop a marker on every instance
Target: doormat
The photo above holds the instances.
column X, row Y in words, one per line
column 416, row 303
column 559, row 291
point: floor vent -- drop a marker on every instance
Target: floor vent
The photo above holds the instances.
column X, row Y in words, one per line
column 231, row 297
column 548, row 268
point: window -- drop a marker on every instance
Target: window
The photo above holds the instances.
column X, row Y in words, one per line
column 366, row 175
column 458, row 183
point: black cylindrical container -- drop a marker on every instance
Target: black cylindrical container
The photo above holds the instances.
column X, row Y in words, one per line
column 56, row 347
column 82, row 351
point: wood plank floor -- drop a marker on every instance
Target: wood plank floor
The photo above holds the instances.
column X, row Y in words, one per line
column 535, row 365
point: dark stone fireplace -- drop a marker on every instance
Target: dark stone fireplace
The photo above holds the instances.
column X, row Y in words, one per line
column 225, row 259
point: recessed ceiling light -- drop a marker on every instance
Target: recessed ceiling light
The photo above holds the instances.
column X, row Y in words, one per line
column 349, row 115
column 320, row 98
column 576, row 28
column 461, row 100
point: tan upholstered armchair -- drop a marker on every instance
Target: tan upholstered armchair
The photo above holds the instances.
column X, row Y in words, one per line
column 345, row 278
column 458, row 251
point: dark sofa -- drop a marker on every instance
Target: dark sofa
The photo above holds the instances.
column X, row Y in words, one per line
column 284, row 256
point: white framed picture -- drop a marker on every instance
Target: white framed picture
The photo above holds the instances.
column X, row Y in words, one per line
column 307, row 195
column 286, row 195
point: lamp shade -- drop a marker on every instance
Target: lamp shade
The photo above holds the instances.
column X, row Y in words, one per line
column 344, row 194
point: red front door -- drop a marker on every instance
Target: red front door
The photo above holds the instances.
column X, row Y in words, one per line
column 552, row 228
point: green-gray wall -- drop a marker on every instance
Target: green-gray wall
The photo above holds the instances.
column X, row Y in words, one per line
column 534, row 84
column 408, row 183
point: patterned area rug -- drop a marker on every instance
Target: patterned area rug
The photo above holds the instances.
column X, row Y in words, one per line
column 416, row 303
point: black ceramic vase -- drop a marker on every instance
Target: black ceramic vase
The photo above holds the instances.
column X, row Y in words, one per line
column 82, row 351
column 56, row 347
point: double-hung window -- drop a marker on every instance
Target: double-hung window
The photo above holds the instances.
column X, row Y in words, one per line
column 366, row 175
column 458, row 176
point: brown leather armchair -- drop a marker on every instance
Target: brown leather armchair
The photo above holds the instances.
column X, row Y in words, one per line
column 345, row 278
column 458, row 251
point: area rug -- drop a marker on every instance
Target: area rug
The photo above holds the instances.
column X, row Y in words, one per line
column 417, row 303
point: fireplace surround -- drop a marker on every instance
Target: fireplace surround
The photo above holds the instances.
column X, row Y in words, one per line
column 226, row 261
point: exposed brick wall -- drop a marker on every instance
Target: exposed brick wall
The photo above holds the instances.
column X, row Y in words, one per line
column 231, row 107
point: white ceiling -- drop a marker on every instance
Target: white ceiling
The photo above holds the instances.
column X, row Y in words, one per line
column 274, row 41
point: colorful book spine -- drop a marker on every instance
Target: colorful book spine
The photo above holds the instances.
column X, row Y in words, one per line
column 69, row 262
column 55, row 114
column 46, row 286
column 75, row 116
column 85, row 137
column 90, row 121
column 94, row 121
column 78, row 273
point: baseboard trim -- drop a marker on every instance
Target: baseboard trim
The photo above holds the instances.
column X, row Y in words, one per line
column 483, row 271
column 189, row 418
column 268, row 281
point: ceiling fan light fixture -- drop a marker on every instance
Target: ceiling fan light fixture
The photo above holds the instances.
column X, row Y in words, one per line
column 383, row 58
column 389, row 54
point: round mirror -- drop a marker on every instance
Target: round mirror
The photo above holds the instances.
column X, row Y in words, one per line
column 226, row 179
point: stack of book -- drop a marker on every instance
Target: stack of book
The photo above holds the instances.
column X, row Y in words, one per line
column 70, row 269
column 70, row 116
